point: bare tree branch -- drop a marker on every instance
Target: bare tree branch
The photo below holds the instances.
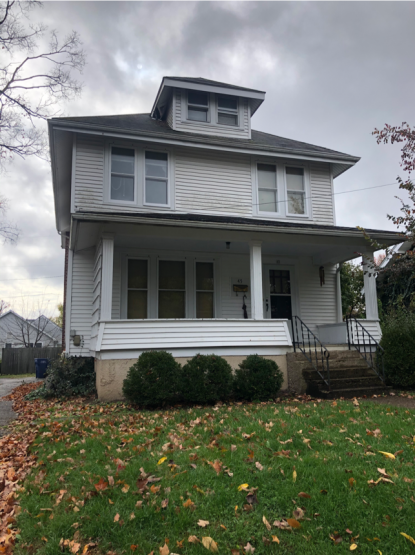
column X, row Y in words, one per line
column 8, row 230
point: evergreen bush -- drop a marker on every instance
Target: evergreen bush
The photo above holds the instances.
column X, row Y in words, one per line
column 153, row 380
column 398, row 341
column 257, row 378
column 67, row 377
column 206, row 379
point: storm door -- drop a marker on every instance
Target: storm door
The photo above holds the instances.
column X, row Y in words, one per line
column 279, row 304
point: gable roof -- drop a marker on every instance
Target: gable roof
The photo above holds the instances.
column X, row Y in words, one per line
column 143, row 124
column 202, row 81
column 30, row 322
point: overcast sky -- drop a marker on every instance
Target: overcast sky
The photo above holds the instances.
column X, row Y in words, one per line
column 332, row 72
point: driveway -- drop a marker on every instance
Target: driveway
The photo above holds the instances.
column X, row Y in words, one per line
column 7, row 414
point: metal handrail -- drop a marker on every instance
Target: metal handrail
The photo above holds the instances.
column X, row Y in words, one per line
column 372, row 361
column 310, row 347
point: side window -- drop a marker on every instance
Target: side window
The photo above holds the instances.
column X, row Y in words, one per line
column 122, row 174
column 172, row 289
column 227, row 110
column 267, row 188
column 156, row 178
column 137, row 285
column 197, row 106
column 295, row 190
column 205, row 294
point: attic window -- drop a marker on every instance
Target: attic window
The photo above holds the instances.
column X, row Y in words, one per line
column 227, row 110
column 197, row 106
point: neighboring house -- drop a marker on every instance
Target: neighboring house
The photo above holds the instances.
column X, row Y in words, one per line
column 16, row 331
column 174, row 219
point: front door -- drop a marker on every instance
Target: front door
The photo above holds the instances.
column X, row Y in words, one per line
column 278, row 303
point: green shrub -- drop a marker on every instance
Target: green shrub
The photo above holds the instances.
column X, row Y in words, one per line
column 398, row 341
column 66, row 377
column 257, row 378
column 206, row 379
column 153, row 380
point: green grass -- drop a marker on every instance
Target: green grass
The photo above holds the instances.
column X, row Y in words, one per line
column 17, row 376
column 78, row 444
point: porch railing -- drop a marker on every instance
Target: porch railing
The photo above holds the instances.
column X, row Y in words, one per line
column 312, row 348
column 359, row 338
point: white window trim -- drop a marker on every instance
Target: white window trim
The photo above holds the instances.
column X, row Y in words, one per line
column 186, row 285
column 212, row 112
column 282, row 213
column 124, row 306
column 238, row 112
column 169, row 171
column 139, row 176
column 185, row 111
column 215, row 285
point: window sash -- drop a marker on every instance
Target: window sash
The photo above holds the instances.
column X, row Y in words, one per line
column 172, row 300
column 205, row 309
column 123, row 180
column 137, row 297
column 296, row 201
column 266, row 189
column 151, row 176
column 226, row 111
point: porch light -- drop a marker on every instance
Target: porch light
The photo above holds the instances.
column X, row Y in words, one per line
column 321, row 273
column 228, row 244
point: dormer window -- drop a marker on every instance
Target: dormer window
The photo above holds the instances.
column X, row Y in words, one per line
column 227, row 110
column 197, row 106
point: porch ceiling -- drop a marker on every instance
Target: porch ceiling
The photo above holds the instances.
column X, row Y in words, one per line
column 324, row 244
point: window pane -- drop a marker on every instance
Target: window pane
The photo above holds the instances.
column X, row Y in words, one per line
column 122, row 188
column 197, row 115
column 171, row 274
column 137, row 305
column 204, row 276
column 227, row 119
column 156, row 164
column 296, row 203
column 228, row 102
column 194, row 97
column 204, row 305
column 295, row 179
column 156, row 191
column 137, row 274
column 267, row 176
column 267, row 201
column 122, row 160
column 171, row 304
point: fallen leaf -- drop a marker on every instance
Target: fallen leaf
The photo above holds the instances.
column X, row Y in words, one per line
column 164, row 503
column 259, row 466
column 248, row 548
column 243, row 487
column 304, row 495
column 188, row 503
column 387, row 455
column 293, row 523
column 164, row 550
column 133, row 547
column 233, row 448
column 275, row 539
column 125, row 488
column 102, row 485
column 116, row 517
column 267, row 524
column 353, row 547
column 161, row 461
column 410, row 538
column 193, row 539
column 203, row 523
column 294, row 476
column 210, row 544
column 352, row 482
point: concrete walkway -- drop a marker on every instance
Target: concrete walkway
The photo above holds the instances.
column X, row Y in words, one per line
column 7, row 413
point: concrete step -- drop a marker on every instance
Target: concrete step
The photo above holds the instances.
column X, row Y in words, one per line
column 346, row 383
column 350, row 372
column 349, row 393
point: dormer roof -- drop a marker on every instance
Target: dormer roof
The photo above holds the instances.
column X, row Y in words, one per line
column 206, row 85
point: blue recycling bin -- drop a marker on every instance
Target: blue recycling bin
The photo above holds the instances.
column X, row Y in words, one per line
column 41, row 365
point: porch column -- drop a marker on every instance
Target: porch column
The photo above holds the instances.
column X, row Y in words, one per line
column 255, row 255
column 371, row 298
column 106, row 276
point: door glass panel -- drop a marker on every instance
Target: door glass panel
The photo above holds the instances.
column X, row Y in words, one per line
column 281, row 306
column 279, row 281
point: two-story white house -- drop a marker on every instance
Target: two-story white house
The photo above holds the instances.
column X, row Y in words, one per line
column 186, row 230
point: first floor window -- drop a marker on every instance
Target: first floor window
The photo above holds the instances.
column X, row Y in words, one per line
column 227, row 110
column 156, row 178
column 172, row 289
column 137, row 283
column 204, row 290
column 295, row 190
column 122, row 174
column 9, row 345
column 197, row 105
column 267, row 188
column 39, row 345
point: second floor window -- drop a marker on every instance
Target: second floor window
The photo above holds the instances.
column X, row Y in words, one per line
column 156, row 191
column 122, row 174
column 227, row 110
column 267, row 188
column 295, row 190
column 197, row 106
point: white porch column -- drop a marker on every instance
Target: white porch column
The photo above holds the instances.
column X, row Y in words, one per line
column 371, row 298
column 339, row 295
column 106, row 276
column 255, row 255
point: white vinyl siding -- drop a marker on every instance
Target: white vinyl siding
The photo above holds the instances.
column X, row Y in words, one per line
column 242, row 131
column 85, row 267
column 322, row 199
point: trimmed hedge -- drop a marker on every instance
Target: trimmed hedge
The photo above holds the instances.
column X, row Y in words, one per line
column 398, row 341
column 153, row 380
column 257, row 379
column 206, row 379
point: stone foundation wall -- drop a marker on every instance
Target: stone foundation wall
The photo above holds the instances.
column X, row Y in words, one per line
column 110, row 374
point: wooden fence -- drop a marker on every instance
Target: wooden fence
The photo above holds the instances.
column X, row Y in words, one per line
column 22, row 360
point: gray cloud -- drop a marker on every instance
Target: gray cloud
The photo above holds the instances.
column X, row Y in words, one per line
column 332, row 72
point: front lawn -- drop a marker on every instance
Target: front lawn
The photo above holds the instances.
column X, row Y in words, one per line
column 127, row 481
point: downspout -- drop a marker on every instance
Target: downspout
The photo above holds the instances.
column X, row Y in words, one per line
column 339, row 294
